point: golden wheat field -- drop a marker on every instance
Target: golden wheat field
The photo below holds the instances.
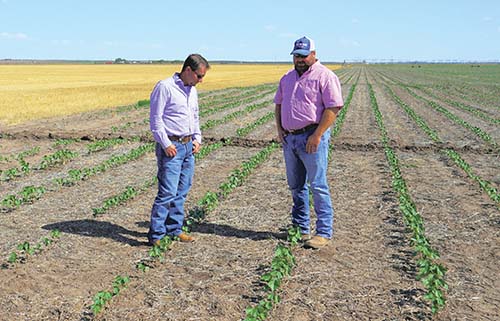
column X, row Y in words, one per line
column 29, row 92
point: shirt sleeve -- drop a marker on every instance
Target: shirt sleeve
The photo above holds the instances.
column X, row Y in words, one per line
column 197, row 131
column 158, row 100
column 278, row 97
column 332, row 92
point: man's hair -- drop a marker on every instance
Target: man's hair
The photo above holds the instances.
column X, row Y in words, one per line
column 194, row 61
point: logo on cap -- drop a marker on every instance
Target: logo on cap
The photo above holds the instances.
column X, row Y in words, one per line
column 303, row 46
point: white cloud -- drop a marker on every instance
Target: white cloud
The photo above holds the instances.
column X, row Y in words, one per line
column 270, row 28
column 349, row 43
column 16, row 35
column 63, row 42
column 288, row 35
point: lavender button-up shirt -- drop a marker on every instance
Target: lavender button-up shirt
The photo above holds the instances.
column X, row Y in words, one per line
column 303, row 99
column 174, row 111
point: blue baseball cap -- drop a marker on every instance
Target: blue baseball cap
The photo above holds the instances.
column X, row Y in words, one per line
column 303, row 46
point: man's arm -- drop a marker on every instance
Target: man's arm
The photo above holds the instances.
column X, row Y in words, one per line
column 281, row 131
column 327, row 120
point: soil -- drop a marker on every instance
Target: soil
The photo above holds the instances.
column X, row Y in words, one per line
column 367, row 271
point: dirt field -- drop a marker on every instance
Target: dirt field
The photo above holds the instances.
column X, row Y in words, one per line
column 367, row 272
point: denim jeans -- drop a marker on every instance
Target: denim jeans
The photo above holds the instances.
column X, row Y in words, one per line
column 175, row 176
column 303, row 168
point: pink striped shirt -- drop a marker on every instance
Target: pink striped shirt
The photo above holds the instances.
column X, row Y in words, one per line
column 303, row 99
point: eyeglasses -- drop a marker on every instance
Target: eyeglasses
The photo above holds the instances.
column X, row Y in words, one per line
column 198, row 75
column 300, row 56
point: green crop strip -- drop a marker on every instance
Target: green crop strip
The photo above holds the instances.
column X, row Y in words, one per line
column 102, row 297
column 30, row 193
column 27, row 195
column 64, row 142
column 476, row 130
column 75, row 175
column 243, row 131
column 106, row 143
column 131, row 192
column 281, row 266
column 460, row 105
column 284, row 260
column 23, row 168
column 485, row 185
column 430, row 272
column 339, row 121
column 215, row 122
column 234, row 104
column 208, row 203
column 240, row 94
column 59, row 157
column 25, row 249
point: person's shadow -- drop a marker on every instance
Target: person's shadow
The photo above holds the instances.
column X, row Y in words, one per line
column 93, row 228
column 230, row 231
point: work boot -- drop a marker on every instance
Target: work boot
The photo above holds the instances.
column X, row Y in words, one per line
column 305, row 237
column 183, row 237
column 316, row 242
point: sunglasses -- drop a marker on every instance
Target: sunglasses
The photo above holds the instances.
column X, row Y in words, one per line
column 198, row 75
column 300, row 56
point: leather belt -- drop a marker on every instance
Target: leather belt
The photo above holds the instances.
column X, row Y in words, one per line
column 302, row 130
column 180, row 139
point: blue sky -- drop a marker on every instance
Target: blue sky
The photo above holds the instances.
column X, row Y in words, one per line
column 251, row 30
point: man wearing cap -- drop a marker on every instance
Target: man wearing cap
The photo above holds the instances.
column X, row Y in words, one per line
column 307, row 102
column 175, row 125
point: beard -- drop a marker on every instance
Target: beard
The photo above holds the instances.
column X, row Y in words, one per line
column 301, row 67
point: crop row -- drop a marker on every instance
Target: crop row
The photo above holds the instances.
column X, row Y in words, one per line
column 206, row 204
column 215, row 122
column 234, row 101
column 131, row 192
column 483, row 94
column 25, row 249
column 59, row 157
column 430, row 272
column 48, row 161
column 460, row 105
column 217, row 104
column 476, row 130
column 485, row 185
column 31, row 193
column 284, row 260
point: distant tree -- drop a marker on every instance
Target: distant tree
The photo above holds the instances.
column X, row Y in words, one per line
column 120, row 61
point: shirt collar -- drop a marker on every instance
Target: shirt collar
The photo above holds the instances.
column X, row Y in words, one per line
column 178, row 81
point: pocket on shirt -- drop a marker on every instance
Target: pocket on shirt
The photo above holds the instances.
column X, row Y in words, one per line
column 310, row 89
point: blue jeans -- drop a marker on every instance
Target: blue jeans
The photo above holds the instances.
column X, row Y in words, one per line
column 303, row 168
column 175, row 176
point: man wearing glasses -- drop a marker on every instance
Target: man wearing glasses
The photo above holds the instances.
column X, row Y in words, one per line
column 307, row 102
column 175, row 125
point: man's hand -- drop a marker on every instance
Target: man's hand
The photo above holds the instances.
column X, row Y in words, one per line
column 171, row 151
column 281, row 135
column 313, row 143
column 196, row 147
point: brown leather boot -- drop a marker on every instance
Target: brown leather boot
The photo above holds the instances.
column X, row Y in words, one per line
column 183, row 237
column 316, row 242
